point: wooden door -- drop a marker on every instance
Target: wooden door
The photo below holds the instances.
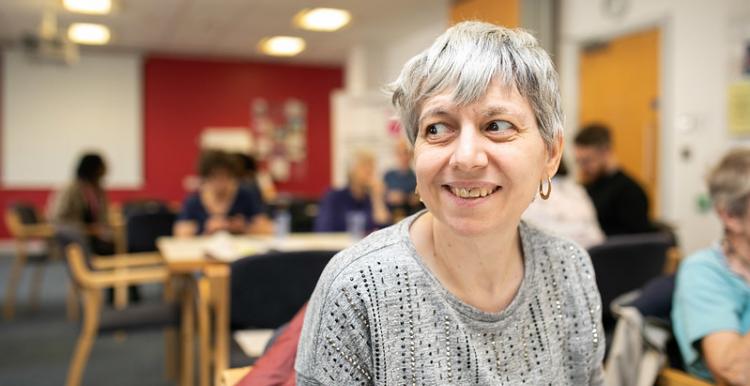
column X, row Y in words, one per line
column 619, row 86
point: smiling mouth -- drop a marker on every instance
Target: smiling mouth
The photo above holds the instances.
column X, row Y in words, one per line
column 471, row 193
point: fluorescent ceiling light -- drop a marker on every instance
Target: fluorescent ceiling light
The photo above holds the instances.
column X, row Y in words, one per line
column 86, row 33
column 99, row 7
column 282, row 45
column 322, row 19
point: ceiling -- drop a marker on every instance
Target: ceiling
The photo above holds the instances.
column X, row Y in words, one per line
column 226, row 28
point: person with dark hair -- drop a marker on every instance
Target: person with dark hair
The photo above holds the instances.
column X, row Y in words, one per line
column 255, row 179
column 221, row 203
column 620, row 202
column 83, row 204
column 569, row 212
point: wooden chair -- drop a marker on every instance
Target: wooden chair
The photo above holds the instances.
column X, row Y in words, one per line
column 231, row 377
column 626, row 262
column 673, row 377
column 96, row 319
column 213, row 324
column 25, row 225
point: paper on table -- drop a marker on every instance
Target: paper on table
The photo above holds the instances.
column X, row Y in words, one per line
column 253, row 342
column 223, row 246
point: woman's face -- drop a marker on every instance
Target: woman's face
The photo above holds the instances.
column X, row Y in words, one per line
column 220, row 182
column 479, row 166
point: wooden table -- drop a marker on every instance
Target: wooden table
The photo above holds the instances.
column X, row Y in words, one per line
column 207, row 259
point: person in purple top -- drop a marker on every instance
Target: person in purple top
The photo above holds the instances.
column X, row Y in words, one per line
column 363, row 196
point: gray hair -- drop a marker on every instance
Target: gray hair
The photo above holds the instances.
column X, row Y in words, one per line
column 466, row 58
column 729, row 182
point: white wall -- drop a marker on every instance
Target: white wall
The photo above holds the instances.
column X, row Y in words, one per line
column 361, row 112
column 52, row 113
column 695, row 46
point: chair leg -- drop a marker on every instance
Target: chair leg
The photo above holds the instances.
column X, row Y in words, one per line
column 71, row 303
column 171, row 350
column 9, row 308
column 171, row 341
column 205, row 358
column 36, row 286
column 220, row 294
column 187, row 331
column 91, row 312
column 121, row 294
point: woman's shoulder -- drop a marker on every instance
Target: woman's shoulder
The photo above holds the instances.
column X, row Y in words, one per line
column 551, row 244
column 559, row 256
column 708, row 262
column 373, row 248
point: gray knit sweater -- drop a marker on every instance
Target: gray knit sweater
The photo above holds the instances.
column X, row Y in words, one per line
column 378, row 316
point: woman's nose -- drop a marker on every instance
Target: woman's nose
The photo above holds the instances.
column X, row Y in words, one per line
column 469, row 152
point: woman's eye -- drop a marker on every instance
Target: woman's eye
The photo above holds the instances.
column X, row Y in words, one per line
column 436, row 130
column 499, row 126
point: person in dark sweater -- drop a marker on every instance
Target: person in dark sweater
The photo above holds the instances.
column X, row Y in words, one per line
column 620, row 202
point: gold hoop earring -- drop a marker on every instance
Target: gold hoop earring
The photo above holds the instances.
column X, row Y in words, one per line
column 542, row 193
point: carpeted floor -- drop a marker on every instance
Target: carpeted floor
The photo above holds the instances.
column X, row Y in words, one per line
column 35, row 347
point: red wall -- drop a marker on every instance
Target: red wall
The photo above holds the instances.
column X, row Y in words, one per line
column 184, row 96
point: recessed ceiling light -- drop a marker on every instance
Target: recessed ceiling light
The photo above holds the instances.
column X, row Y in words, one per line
column 86, row 33
column 99, row 7
column 322, row 19
column 282, row 45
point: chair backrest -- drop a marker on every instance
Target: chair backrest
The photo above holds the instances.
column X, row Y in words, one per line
column 303, row 212
column 625, row 263
column 267, row 290
column 26, row 213
column 145, row 222
column 19, row 214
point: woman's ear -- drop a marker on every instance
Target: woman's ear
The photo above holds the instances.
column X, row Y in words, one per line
column 554, row 154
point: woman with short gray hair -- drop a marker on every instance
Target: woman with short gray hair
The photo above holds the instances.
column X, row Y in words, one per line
column 711, row 312
column 464, row 292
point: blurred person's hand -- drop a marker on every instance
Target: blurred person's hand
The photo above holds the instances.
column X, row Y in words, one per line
column 237, row 224
column 376, row 188
column 216, row 223
column 395, row 197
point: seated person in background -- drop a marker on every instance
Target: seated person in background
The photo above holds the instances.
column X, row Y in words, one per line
column 401, row 183
column 568, row 212
column 83, row 204
column 256, row 179
column 711, row 307
column 621, row 204
column 248, row 174
column 221, row 204
column 363, row 194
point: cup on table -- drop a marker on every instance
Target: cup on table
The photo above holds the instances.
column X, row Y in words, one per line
column 356, row 224
column 282, row 224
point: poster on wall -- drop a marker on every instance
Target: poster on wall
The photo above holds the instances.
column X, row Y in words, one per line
column 280, row 131
column 739, row 108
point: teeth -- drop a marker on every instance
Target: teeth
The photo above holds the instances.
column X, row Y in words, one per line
column 472, row 192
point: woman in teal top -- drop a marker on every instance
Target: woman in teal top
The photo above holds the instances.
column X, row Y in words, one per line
column 711, row 306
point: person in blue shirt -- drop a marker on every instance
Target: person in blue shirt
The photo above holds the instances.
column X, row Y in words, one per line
column 221, row 203
column 711, row 304
column 401, row 184
column 363, row 195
